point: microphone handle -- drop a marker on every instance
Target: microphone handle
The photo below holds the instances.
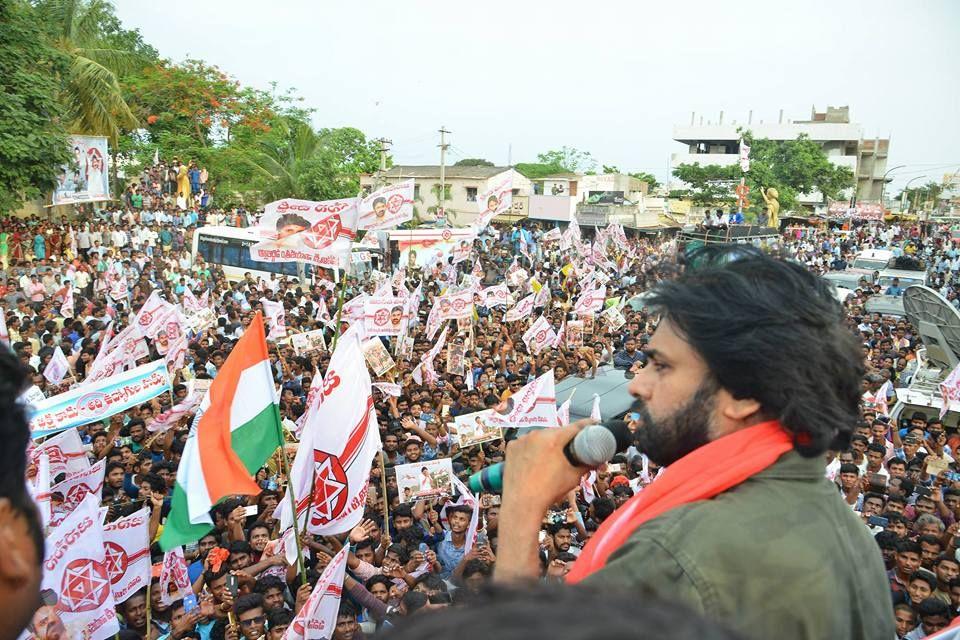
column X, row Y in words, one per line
column 490, row 479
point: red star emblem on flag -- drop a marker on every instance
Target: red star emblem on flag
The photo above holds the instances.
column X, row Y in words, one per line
column 116, row 561
column 323, row 233
column 84, row 586
column 329, row 489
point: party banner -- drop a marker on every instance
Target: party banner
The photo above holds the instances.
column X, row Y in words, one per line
column 387, row 207
column 495, row 296
column 384, row 316
column 318, row 233
column 85, row 179
column 456, row 305
column 127, row 546
column 100, row 400
column 496, row 200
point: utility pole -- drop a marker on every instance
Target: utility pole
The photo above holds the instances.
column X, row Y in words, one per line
column 443, row 173
column 384, row 147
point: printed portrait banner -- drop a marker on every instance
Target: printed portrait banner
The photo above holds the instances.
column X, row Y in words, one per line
column 377, row 356
column 387, row 207
column 420, row 248
column 456, row 306
column 590, row 301
column 75, row 570
column 495, row 296
column 521, row 310
column 317, row 233
column 539, row 336
column 474, row 428
column 64, row 453
column 75, row 487
column 304, row 343
column 99, row 400
column 384, row 316
column 425, row 480
column 496, row 200
column 86, row 178
column 534, row 405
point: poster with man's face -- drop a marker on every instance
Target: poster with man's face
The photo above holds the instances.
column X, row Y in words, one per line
column 425, row 480
column 377, row 356
column 388, row 206
column 384, row 316
column 474, row 428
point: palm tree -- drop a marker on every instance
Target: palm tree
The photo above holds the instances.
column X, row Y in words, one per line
column 281, row 160
column 90, row 91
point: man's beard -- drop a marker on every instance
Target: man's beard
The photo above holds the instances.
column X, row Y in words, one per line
column 671, row 437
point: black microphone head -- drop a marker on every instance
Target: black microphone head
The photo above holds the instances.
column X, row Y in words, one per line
column 620, row 431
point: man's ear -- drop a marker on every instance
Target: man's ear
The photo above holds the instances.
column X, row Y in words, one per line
column 18, row 559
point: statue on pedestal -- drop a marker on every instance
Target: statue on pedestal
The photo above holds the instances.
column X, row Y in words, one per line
column 770, row 196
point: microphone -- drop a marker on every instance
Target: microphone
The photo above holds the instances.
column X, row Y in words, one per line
column 591, row 447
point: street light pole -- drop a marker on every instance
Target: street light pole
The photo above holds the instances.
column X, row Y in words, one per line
column 906, row 187
column 883, row 182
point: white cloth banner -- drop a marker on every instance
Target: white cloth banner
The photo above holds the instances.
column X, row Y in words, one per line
column 388, row 206
column 590, row 301
column 317, row 620
column 276, row 318
column 389, row 388
column 57, row 368
column 75, row 487
column 539, row 336
column 496, row 200
column 534, row 405
column 318, row 233
column 330, row 472
column 64, row 453
column 521, row 310
column 495, row 296
column 127, row 546
column 75, row 569
column 456, row 306
column 384, row 316
column 173, row 573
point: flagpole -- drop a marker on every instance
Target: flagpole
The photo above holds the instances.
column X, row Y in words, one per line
column 293, row 502
column 383, row 488
column 343, row 290
column 149, row 583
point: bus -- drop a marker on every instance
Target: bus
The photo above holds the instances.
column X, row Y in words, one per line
column 229, row 247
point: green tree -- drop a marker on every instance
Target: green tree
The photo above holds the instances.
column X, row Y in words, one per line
column 924, row 197
column 473, row 162
column 569, row 159
column 87, row 33
column 649, row 178
column 793, row 167
column 33, row 143
column 707, row 185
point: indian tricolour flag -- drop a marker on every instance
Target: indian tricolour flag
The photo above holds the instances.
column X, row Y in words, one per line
column 238, row 430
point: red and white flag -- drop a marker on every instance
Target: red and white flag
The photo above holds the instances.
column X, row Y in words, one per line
column 534, row 405
column 542, row 297
column 387, row 207
column 75, row 568
column 539, row 336
column 171, row 416
column 521, row 310
column 127, row 545
column 40, row 489
column 389, row 388
column 64, row 453
column 276, row 318
column 57, row 368
column 75, row 487
column 563, row 411
column 190, row 302
column 66, row 309
column 495, row 296
column 331, row 470
column 317, row 620
column 497, row 199
column 314, row 398
column 477, row 271
column 950, row 390
column 590, row 301
column 561, row 335
column 174, row 578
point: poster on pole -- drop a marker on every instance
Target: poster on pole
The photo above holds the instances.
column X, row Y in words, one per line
column 387, row 207
column 85, row 179
column 425, row 480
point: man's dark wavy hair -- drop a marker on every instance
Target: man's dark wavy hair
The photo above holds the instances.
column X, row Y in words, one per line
column 770, row 330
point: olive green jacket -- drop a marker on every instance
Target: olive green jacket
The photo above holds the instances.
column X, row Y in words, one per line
column 778, row 556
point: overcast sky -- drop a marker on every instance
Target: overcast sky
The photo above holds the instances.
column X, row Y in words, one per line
column 607, row 77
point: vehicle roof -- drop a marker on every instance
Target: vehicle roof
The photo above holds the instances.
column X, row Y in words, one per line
column 610, row 384
column 874, row 254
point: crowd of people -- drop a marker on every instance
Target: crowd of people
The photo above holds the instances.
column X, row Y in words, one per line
column 900, row 479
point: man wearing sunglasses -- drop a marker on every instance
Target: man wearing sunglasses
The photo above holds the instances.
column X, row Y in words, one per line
column 250, row 616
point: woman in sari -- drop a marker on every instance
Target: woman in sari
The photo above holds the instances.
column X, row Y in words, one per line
column 16, row 246
column 39, row 246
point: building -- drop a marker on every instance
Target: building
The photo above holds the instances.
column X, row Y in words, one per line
column 843, row 142
column 462, row 186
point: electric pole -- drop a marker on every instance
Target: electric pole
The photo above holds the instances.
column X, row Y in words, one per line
column 443, row 173
column 384, row 147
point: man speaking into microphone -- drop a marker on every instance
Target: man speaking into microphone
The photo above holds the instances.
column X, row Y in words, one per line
column 751, row 377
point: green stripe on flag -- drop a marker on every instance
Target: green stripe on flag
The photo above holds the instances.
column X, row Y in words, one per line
column 254, row 443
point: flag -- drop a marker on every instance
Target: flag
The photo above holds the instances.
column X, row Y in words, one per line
column 57, row 368
column 389, row 388
column 64, row 452
column 497, row 199
column 561, row 335
column 75, row 487
column 156, row 156
column 563, row 412
column 323, row 315
column 314, row 398
column 173, row 415
column 66, row 309
column 317, row 620
column 590, row 301
column 75, row 569
column 40, row 490
column 190, row 302
column 239, row 429
column 174, row 577
column 542, row 298
column 534, row 405
column 587, row 482
column 127, row 545
column 521, row 310
column 744, row 156
column 477, row 271
column 950, row 390
column 539, row 336
column 276, row 318
column 595, row 410
column 331, row 470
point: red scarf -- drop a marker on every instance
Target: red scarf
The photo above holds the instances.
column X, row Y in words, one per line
column 695, row 476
